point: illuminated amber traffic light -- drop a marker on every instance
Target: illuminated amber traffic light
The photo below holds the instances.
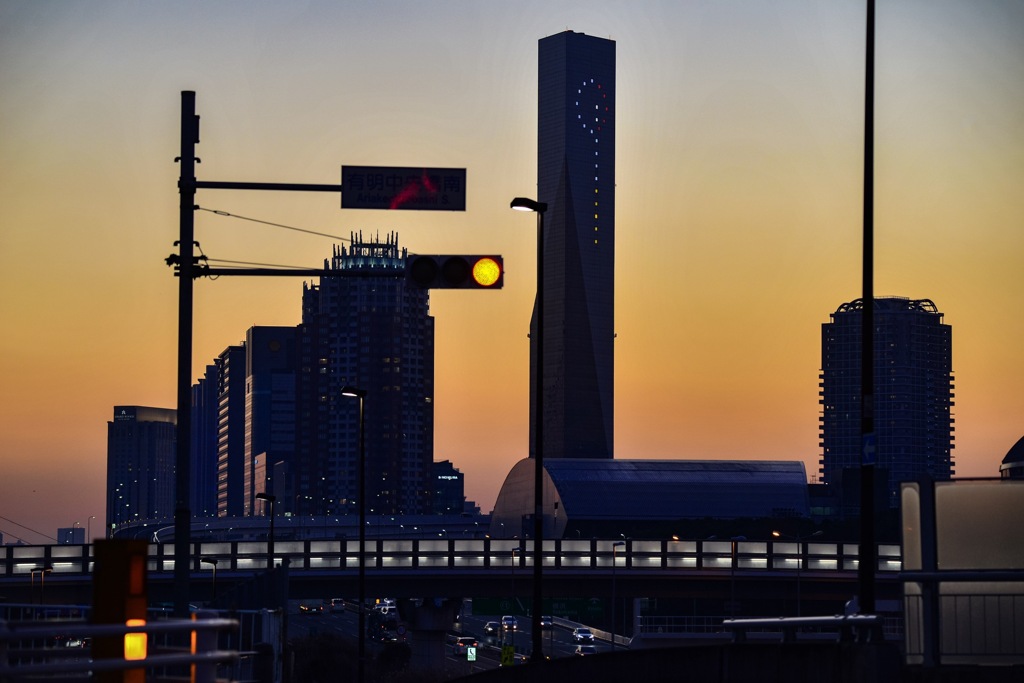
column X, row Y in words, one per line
column 455, row 271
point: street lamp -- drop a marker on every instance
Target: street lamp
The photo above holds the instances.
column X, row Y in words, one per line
column 732, row 575
column 615, row 546
column 524, row 204
column 88, row 528
column 213, row 561
column 353, row 392
column 514, row 562
column 799, row 559
column 270, row 498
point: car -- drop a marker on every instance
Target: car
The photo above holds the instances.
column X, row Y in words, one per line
column 459, row 647
column 311, row 608
column 491, row 628
column 545, row 622
column 582, row 635
column 584, row 650
column 337, row 605
column 509, row 623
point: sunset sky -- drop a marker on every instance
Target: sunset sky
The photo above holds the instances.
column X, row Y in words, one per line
column 738, row 220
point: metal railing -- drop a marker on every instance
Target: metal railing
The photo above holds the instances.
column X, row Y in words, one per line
column 27, row 562
column 964, row 618
column 64, row 648
column 56, row 641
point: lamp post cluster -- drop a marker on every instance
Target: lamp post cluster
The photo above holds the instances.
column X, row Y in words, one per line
column 799, row 559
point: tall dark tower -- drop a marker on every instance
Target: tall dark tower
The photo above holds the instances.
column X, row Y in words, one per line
column 374, row 332
column 576, row 179
column 913, row 397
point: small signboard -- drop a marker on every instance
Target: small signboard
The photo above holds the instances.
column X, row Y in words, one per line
column 471, row 654
column 400, row 187
column 869, row 454
column 508, row 655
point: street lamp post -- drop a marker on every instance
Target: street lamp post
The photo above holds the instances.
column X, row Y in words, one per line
column 732, row 575
column 799, row 560
column 270, row 498
column 212, row 561
column 524, row 204
column 88, row 528
column 353, row 392
column 615, row 546
column 514, row 560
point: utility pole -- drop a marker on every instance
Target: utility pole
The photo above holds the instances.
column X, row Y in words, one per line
column 186, row 255
column 417, row 196
column 867, row 557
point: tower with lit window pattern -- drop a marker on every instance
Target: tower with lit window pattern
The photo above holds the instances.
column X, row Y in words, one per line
column 576, row 179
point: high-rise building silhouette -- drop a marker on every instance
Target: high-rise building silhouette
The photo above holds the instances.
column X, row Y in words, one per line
column 203, row 486
column 913, row 396
column 231, row 432
column 140, row 465
column 365, row 328
column 270, row 365
column 576, row 179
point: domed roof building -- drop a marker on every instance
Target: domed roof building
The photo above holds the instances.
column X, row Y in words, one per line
column 599, row 496
column 1012, row 466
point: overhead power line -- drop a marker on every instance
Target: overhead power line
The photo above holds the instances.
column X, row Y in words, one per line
column 276, row 225
column 38, row 533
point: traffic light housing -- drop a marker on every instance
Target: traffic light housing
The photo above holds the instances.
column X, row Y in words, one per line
column 455, row 271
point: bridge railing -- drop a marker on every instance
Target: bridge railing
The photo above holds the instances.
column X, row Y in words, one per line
column 38, row 563
column 62, row 647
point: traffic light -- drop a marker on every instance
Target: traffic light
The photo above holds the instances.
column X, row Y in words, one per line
column 455, row 271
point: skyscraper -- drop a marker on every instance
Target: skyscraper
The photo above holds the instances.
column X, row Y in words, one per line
column 371, row 331
column 231, row 432
column 203, row 487
column 270, row 363
column 140, row 464
column 576, row 179
column 913, row 395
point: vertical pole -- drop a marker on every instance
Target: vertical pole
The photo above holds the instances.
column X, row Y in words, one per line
column 187, row 193
column 362, row 542
column 538, row 455
column 614, row 548
column 867, row 558
column 931, row 643
column 270, row 539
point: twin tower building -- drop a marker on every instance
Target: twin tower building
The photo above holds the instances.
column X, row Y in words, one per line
column 269, row 416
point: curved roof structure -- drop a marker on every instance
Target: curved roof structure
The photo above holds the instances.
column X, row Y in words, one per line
column 1012, row 466
column 597, row 489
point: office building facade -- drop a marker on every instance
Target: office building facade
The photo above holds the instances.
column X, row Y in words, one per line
column 576, row 179
column 141, row 448
column 270, row 367
column 449, row 489
column 231, row 432
column 913, row 397
column 203, row 473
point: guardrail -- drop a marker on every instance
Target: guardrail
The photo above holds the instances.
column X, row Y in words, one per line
column 33, row 649
column 849, row 627
column 36, row 562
